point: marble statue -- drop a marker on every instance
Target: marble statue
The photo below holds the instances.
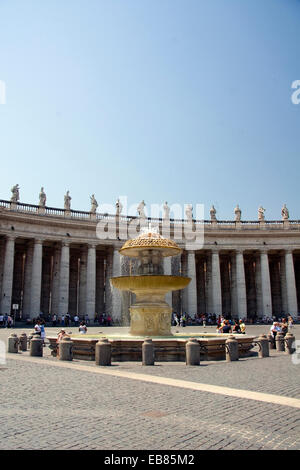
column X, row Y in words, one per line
column 189, row 212
column 140, row 210
column 119, row 207
column 67, row 202
column 285, row 212
column 94, row 204
column 213, row 213
column 261, row 213
column 238, row 213
column 166, row 211
column 15, row 193
column 42, row 197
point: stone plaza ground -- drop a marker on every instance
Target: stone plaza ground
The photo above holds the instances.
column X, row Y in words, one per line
column 250, row 404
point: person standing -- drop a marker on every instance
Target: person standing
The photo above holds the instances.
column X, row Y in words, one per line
column 284, row 326
column 54, row 319
column 290, row 322
column 43, row 332
column 275, row 328
column 37, row 327
column 67, row 319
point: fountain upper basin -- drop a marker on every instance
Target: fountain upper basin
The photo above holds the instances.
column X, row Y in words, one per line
column 150, row 283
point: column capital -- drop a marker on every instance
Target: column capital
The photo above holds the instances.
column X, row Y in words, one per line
column 239, row 251
column 288, row 251
column 66, row 243
column 215, row 251
column 38, row 241
column 92, row 245
column 11, row 238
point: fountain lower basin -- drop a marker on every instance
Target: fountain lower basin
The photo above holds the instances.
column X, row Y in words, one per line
column 125, row 347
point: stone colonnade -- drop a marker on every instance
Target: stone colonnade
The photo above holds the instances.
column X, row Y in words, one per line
column 242, row 284
column 62, row 277
column 57, row 278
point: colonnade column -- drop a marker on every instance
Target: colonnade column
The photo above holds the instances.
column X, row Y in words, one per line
column 36, row 278
column 2, row 248
column 99, row 284
column 108, row 275
column 82, row 281
column 216, row 283
column 258, row 288
column 291, row 284
column 233, row 286
column 126, row 296
column 64, row 279
column 91, row 282
column 116, row 300
column 192, row 286
column 241, row 285
column 168, row 272
column 55, row 294
column 8, row 271
column 265, row 284
column 27, row 280
column 283, row 284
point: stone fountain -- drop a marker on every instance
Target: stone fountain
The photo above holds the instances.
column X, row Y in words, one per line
column 150, row 315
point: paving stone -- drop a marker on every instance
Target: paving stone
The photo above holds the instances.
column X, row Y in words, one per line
column 47, row 407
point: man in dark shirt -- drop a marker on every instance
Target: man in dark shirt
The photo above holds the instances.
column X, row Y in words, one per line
column 227, row 327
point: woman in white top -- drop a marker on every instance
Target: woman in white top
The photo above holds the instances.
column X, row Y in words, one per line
column 82, row 328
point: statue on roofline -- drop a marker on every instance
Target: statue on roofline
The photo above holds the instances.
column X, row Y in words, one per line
column 42, row 197
column 15, row 193
column 67, row 201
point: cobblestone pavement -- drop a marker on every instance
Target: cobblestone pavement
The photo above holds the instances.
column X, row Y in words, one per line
column 49, row 407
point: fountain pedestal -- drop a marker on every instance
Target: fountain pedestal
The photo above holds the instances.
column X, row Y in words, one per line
column 150, row 320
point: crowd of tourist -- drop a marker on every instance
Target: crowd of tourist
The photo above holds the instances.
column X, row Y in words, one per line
column 283, row 326
column 73, row 320
column 222, row 323
column 6, row 321
column 228, row 325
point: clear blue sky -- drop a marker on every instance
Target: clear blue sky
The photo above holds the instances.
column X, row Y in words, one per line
column 187, row 101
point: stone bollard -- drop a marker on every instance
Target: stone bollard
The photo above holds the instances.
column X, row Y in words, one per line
column 30, row 336
column 148, row 352
column 263, row 346
column 279, row 342
column 36, row 345
column 232, row 349
column 289, row 341
column 103, row 352
column 13, row 343
column 271, row 341
column 23, row 342
column 66, row 349
column 192, row 352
